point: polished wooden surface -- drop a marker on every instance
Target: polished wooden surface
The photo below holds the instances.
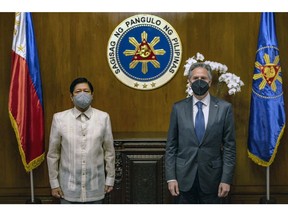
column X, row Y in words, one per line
column 75, row 44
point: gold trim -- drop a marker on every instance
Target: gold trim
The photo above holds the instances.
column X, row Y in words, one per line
column 261, row 162
column 34, row 163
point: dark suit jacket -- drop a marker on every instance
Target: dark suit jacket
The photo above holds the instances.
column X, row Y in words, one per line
column 214, row 158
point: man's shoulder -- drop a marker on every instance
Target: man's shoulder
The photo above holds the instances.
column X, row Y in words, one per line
column 99, row 112
column 182, row 101
column 219, row 100
column 63, row 113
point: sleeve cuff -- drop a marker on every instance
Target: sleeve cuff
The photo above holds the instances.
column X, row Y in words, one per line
column 54, row 183
column 109, row 181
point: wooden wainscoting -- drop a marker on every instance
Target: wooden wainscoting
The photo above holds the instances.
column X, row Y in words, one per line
column 256, row 194
column 23, row 196
column 140, row 177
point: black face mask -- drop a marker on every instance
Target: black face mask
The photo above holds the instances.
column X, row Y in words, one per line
column 199, row 87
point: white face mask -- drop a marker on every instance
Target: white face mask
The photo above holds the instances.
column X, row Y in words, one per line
column 82, row 100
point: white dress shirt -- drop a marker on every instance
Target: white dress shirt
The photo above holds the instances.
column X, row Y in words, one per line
column 205, row 108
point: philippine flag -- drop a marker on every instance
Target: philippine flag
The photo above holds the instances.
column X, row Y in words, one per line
column 25, row 97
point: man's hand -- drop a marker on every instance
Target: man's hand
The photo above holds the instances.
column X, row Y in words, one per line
column 173, row 188
column 108, row 188
column 223, row 189
column 57, row 192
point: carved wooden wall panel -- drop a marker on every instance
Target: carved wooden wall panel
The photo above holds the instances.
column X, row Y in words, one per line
column 140, row 174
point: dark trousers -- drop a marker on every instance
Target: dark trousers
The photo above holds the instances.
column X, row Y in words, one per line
column 196, row 196
column 63, row 201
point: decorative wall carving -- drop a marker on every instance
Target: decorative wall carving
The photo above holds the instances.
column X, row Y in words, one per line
column 140, row 177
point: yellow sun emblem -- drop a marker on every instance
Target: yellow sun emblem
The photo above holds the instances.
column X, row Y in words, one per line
column 144, row 52
column 269, row 72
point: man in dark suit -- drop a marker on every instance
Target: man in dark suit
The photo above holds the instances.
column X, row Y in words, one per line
column 201, row 149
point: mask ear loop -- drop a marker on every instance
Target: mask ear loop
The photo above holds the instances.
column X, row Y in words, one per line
column 210, row 83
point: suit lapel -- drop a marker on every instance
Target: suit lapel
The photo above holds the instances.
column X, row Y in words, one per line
column 213, row 110
column 189, row 110
column 189, row 117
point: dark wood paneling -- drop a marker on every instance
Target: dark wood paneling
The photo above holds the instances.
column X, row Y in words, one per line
column 140, row 177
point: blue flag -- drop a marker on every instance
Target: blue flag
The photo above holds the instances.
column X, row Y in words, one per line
column 267, row 113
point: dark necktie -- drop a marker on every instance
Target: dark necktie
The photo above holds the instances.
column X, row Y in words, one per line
column 199, row 122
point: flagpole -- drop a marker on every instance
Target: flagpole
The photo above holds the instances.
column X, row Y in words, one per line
column 268, row 183
column 32, row 186
column 32, row 200
column 267, row 199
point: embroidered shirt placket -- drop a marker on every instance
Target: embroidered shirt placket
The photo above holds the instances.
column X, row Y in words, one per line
column 83, row 156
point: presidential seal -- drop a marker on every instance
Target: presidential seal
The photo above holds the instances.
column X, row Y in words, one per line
column 144, row 52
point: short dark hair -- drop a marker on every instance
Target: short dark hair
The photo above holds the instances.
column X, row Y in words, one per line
column 202, row 65
column 80, row 80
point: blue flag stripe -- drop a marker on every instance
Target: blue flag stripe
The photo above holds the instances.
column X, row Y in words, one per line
column 32, row 57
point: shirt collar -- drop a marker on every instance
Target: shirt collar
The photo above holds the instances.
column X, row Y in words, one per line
column 87, row 113
column 205, row 100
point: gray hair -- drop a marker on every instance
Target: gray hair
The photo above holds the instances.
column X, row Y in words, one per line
column 203, row 65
